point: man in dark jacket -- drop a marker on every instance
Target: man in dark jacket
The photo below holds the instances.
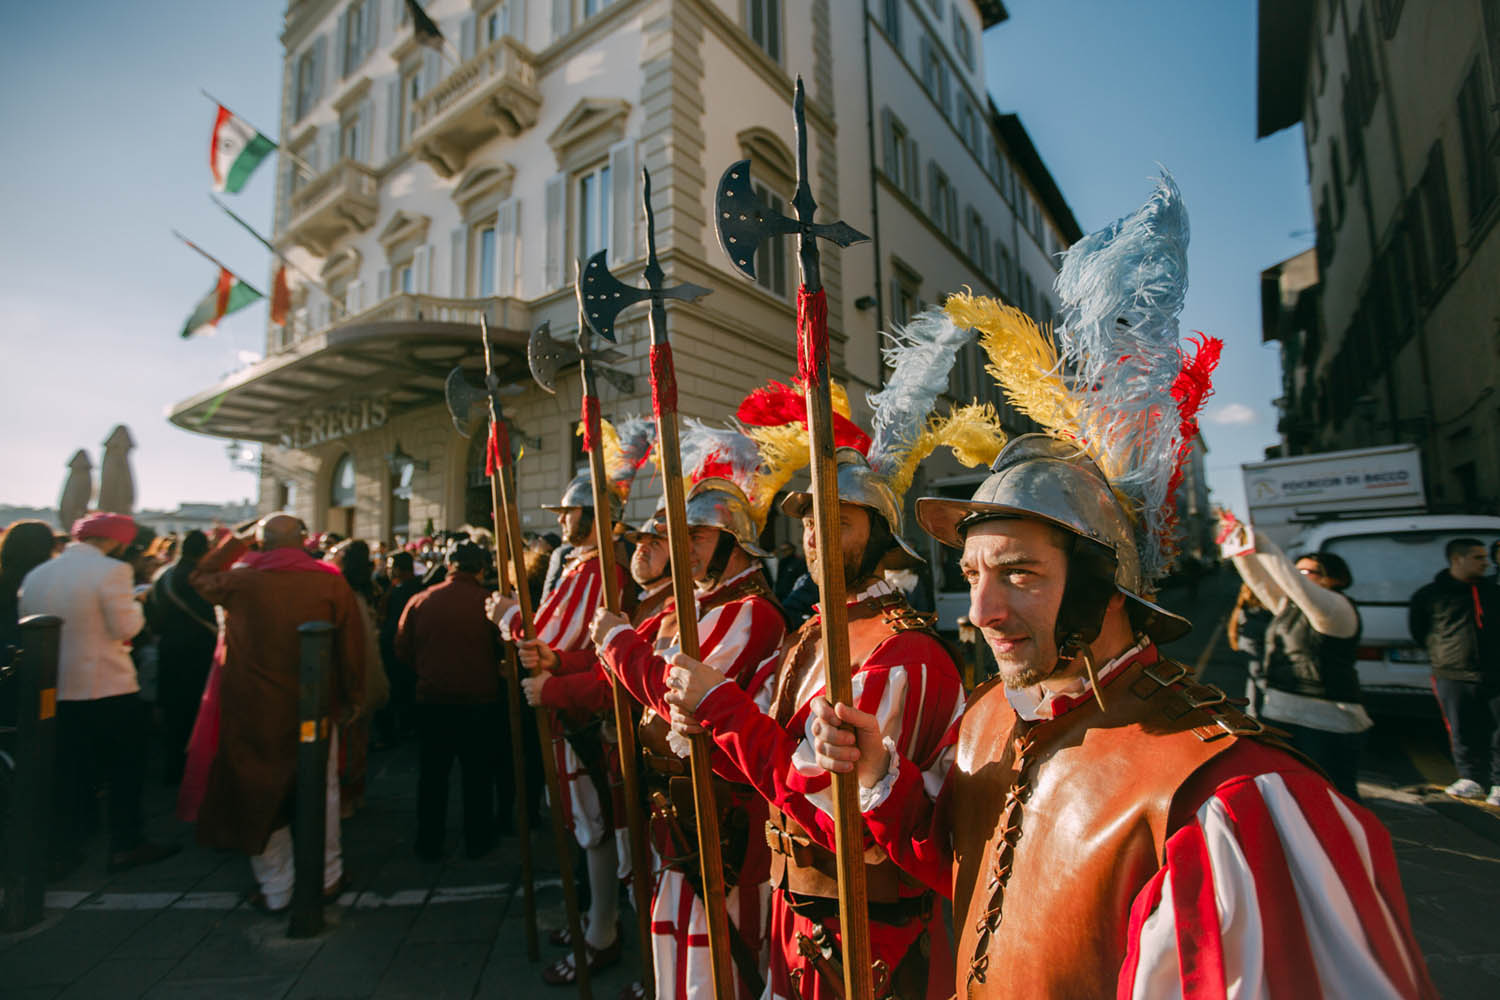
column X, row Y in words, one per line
column 395, row 719
column 187, row 631
column 447, row 638
column 1457, row 617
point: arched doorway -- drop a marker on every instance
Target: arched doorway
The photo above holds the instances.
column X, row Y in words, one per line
column 341, row 496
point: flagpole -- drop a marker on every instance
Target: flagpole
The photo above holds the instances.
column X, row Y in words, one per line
column 299, row 161
column 278, row 254
column 217, row 262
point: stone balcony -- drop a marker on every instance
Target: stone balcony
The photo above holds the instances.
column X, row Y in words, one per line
column 341, row 200
column 492, row 94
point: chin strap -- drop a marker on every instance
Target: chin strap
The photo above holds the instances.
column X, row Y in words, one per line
column 1086, row 597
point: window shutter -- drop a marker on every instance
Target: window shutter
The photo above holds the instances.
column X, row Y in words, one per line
column 466, row 38
column 507, row 248
column 458, row 266
column 432, row 71
column 892, row 168
column 383, row 285
column 328, row 146
column 372, row 28
column 418, row 269
column 354, row 297
column 424, row 278
column 913, row 170
column 392, row 119
column 557, row 210
column 623, row 207
column 319, row 61
column 934, row 207
column 341, row 39
column 518, row 20
column 366, row 130
column 562, row 17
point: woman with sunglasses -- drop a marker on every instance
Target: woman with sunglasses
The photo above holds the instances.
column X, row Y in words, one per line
column 1310, row 688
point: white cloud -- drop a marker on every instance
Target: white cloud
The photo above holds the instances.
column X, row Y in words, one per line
column 1232, row 413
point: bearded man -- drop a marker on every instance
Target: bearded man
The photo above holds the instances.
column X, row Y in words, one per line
column 740, row 628
column 905, row 679
column 1117, row 829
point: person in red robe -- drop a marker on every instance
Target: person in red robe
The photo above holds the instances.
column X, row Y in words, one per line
column 251, row 782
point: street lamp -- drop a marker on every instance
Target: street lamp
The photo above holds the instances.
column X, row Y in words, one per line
column 399, row 460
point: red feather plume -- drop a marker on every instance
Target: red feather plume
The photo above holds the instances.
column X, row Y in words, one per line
column 778, row 404
column 1191, row 389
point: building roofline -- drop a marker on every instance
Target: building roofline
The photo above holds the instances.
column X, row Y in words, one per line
column 1281, row 63
column 1031, row 164
column 991, row 12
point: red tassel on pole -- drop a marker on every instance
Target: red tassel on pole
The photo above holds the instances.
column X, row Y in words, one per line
column 663, row 380
column 812, row 335
column 589, row 419
column 497, row 450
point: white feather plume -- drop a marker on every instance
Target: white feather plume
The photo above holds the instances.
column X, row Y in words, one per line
column 921, row 356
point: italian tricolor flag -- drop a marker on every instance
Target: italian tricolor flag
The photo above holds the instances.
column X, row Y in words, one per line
column 236, row 151
column 229, row 293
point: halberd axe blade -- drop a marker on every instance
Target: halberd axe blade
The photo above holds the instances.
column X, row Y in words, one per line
column 603, row 296
column 547, row 356
column 462, row 396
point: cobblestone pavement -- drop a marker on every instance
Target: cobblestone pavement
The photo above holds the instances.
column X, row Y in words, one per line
column 404, row 928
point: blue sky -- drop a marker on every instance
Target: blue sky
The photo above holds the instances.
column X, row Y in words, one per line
column 106, row 145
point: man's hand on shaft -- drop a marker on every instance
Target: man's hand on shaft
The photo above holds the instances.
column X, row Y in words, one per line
column 688, row 683
column 845, row 739
column 532, row 686
column 603, row 624
column 535, row 655
column 498, row 606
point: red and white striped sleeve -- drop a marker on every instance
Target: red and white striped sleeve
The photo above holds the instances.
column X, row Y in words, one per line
column 1277, row 887
column 562, row 621
column 737, row 638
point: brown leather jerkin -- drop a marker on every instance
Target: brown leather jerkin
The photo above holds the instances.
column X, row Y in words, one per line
column 1096, row 796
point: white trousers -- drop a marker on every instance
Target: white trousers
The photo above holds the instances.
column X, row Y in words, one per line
column 273, row 867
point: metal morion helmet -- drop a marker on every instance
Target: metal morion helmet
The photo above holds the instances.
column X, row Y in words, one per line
column 876, row 469
column 1042, row 478
column 724, row 483
column 626, row 448
column 858, row 484
column 1117, row 395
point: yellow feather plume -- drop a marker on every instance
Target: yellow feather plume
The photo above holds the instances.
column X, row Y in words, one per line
column 974, row 432
column 1023, row 359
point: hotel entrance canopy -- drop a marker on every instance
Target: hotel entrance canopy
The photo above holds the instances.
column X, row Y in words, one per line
column 400, row 351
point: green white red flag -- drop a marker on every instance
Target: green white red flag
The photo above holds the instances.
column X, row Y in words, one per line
column 228, row 294
column 236, row 150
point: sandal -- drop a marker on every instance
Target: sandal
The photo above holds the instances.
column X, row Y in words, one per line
column 634, row 991
column 561, row 938
column 562, row 973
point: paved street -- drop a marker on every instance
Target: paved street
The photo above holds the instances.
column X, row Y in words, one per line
column 408, row 929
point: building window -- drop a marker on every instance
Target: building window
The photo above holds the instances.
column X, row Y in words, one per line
column 486, row 259
column 356, row 35
column 937, row 9
column 901, row 164
column 349, row 138
column 963, row 40
column 968, row 123
column 495, row 24
column 1491, row 11
column 904, row 293
column 890, row 20
column 1416, row 242
column 770, row 257
column 307, row 82
column 593, row 211
column 1003, row 270
column 977, row 241
column 411, row 93
column 942, row 201
column 341, row 483
column 763, row 22
column 1439, row 216
column 1479, row 166
column 935, row 73
column 1362, row 66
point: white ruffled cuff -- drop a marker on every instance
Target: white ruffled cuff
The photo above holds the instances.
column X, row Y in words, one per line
column 871, row 798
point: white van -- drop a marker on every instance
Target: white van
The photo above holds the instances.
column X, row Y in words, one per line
column 1390, row 557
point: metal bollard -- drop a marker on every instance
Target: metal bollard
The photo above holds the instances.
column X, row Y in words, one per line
column 312, row 775
column 31, row 796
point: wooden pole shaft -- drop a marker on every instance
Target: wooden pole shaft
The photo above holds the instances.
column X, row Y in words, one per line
column 848, row 823
column 640, row 857
column 560, row 835
column 712, row 861
column 511, row 680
